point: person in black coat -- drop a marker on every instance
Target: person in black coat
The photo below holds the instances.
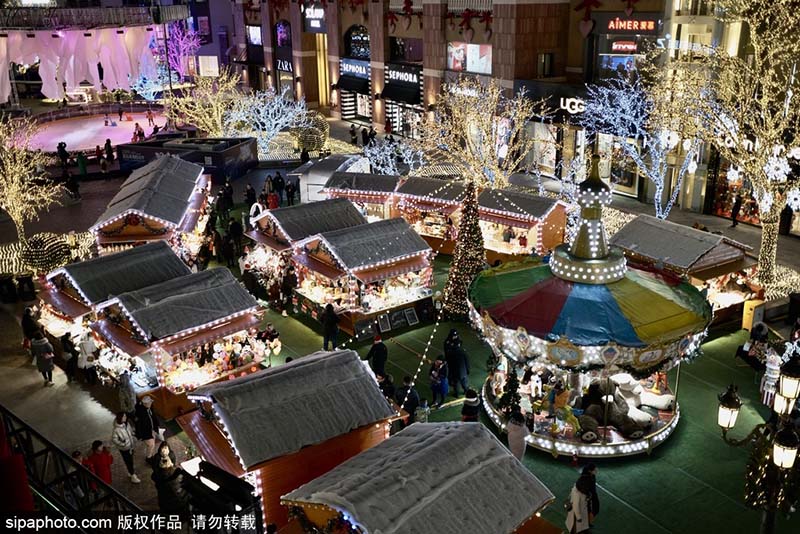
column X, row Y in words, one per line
column 249, row 196
column 227, row 191
column 236, row 230
column 279, row 184
column 364, row 136
column 386, row 383
column 737, row 206
column 471, row 407
column 587, row 485
column 291, row 190
column 408, row 398
column 29, row 324
column 222, row 207
column 288, row 284
column 305, row 157
column 377, row 356
column 70, row 354
column 457, row 362
column 172, row 498
column 330, row 327
column 146, row 427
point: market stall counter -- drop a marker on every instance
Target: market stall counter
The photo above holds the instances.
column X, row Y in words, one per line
column 373, row 194
column 281, row 427
column 720, row 266
column 191, row 330
column 165, row 200
column 73, row 293
column 367, row 272
column 433, row 207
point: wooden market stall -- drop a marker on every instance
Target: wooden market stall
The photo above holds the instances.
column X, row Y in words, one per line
column 373, row 194
column 165, row 200
column 370, row 273
column 432, row 207
column 73, row 293
column 514, row 224
column 284, row 426
column 281, row 232
column 192, row 330
column 721, row 266
column 426, row 474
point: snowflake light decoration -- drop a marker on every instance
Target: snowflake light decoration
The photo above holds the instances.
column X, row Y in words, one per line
column 733, row 174
column 765, row 199
column 777, row 169
column 795, row 153
column 793, row 199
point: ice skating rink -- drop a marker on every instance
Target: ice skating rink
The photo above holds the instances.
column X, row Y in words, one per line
column 84, row 133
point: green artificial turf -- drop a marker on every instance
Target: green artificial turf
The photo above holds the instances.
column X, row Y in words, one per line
column 693, row 483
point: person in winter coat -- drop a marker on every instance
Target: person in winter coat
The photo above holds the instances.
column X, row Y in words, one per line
column 216, row 240
column 100, row 461
column 273, row 202
column 353, row 135
column 87, row 353
column 291, row 190
column 587, row 483
column 146, row 425
column 457, row 362
column 42, row 350
column 386, row 384
column 279, row 184
column 288, row 284
column 439, row 385
column 578, row 514
column 70, row 353
column 29, row 325
column 172, row 499
column 236, row 231
column 127, row 395
column 517, row 434
column 471, row 408
column 408, row 398
column 377, row 356
column 249, row 196
column 163, row 451
column 122, row 438
column 227, row 191
column 330, row 327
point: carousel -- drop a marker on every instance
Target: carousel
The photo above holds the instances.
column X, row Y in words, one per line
column 582, row 345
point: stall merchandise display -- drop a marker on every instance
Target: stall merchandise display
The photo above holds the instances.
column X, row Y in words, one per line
column 731, row 289
column 433, row 223
column 581, row 345
column 57, row 325
column 112, row 363
column 508, row 239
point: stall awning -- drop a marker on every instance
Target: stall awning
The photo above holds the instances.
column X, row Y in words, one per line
column 402, row 93
column 268, row 241
column 192, row 214
column 506, row 221
column 726, row 268
column 64, row 304
column 103, row 240
column 443, row 207
column 390, row 271
column 317, row 266
column 356, row 85
column 118, row 337
column 238, row 324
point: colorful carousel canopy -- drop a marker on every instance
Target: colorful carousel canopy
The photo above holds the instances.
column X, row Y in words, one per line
column 641, row 309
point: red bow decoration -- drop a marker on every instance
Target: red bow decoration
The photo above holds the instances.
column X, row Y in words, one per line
column 408, row 7
column 587, row 6
column 466, row 18
column 486, row 18
column 391, row 18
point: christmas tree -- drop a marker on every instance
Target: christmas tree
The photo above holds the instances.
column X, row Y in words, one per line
column 510, row 400
column 469, row 256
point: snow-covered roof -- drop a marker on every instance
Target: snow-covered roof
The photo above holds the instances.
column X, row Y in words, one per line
column 516, row 203
column 362, row 182
column 449, row 478
column 280, row 410
column 304, row 220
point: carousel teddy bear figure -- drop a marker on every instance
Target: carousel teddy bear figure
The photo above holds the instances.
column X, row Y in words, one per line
column 604, row 403
column 636, row 395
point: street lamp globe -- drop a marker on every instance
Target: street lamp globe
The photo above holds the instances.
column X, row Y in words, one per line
column 729, row 405
column 782, row 405
column 784, row 448
column 789, row 385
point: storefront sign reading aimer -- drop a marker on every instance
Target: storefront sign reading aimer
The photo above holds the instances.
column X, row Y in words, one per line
column 631, row 25
column 573, row 106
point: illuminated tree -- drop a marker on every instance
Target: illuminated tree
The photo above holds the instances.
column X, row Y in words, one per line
column 206, row 105
column 385, row 156
column 25, row 188
column 182, row 44
column 149, row 87
column 469, row 258
column 753, row 118
column 480, row 131
column 263, row 115
column 656, row 114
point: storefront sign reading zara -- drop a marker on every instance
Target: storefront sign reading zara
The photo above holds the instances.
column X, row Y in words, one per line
column 284, row 65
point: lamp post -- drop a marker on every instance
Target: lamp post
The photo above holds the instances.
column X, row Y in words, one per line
column 772, row 477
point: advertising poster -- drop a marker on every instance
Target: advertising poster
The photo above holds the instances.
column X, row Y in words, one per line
column 618, row 66
column 457, row 56
column 479, row 58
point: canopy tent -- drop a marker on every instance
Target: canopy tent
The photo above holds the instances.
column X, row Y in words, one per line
column 641, row 309
column 369, row 245
column 72, row 56
column 310, row 400
column 457, row 476
column 99, row 279
column 177, row 305
column 162, row 189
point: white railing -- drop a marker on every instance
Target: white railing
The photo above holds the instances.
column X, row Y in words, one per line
column 459, row 6
column 54, row 18
column 397, row 6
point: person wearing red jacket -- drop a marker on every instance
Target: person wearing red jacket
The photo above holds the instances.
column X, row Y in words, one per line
column 100, row 461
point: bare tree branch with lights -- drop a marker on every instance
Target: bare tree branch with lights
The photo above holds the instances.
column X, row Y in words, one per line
column 263, row 115
column 206, row 105
column 753, row 118
column 657, row 115
column 385, row 157
column 149, row 87
column 182, row 44
column 25, row 188
column 480, row 131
